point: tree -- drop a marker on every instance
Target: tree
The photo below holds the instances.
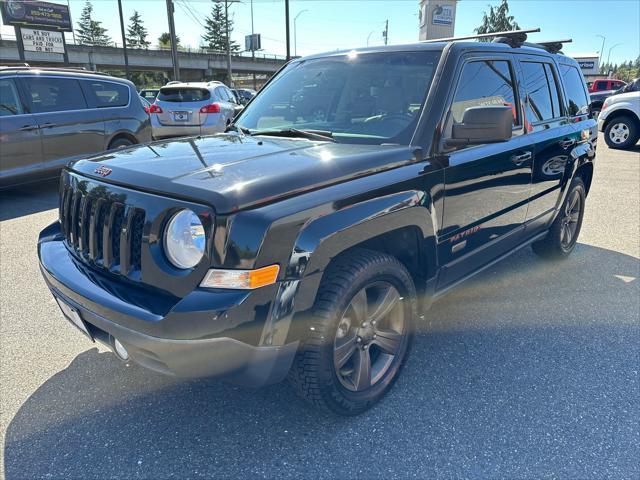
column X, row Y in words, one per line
column 90, row 31
column 497, row 20
column 164, row 40
column 136, row 32
column 215, row 30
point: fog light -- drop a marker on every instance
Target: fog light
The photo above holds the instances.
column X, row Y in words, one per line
column 119, row 350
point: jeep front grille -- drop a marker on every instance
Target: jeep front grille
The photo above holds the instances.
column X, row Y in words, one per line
column 102, row 230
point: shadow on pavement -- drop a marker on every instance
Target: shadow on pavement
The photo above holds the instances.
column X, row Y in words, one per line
column 27, row 199
column 513, row 377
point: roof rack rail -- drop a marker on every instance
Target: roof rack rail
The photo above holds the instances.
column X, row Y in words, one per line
column 512, row 37
column 552, row 46
column 24, row 66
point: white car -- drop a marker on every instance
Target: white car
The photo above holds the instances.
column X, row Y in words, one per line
column 184, row 109
column 619, row 118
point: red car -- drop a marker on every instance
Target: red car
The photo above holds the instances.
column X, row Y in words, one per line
column 603, row 84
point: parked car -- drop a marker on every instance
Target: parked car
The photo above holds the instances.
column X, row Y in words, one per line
column 244, row 95
column 605, row 84
column 598, row 98
column 49, row 115
column 149, row 94
column 311, row 245
column 620, row 118
column 192, row 109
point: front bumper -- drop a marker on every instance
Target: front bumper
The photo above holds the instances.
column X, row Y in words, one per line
column 108, row 316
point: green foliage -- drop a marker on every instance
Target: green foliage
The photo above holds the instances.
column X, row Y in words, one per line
column 136, row 32
column 626, row 71
column 497, row 20
column 164, row 40
column 90, row 31
column 215, row 30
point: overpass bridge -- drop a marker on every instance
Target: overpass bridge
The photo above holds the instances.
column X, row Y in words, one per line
column 195, row 65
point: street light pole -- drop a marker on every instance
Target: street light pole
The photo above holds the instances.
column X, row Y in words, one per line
column 369, row 36
column 295, row 30
column 601, row 48
column 286, row 20
column 609, row 55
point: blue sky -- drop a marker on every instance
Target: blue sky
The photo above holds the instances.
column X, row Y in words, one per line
column 338, row 24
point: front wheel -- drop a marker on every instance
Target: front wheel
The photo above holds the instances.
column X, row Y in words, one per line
column 359, row 334
column 621, row 132
column 562, row 237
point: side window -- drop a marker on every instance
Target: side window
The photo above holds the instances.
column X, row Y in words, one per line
column 48, row 94
column 222, row 93
column 576, row 92
column 482, row 83
column 9, row 99
column 542, row 95
column 232, row 96
column 108, row 94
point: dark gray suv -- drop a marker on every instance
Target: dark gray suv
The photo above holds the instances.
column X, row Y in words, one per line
column 48, row 116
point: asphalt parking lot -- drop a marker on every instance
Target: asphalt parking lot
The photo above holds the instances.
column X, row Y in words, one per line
column 528, row 371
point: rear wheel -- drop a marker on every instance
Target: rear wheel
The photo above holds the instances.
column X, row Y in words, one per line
column 621, row 132
column 563, row 234
column 360, row 333
column 121, row 142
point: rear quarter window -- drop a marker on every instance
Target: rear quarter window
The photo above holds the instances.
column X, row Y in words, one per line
column 178, row 95
column 578, row 101
column 108, row 94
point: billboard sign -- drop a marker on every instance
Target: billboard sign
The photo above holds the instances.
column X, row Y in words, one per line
column 21, row 13
column 252, row 42
column 587, row 64
column 443, row 15
column 42, row 40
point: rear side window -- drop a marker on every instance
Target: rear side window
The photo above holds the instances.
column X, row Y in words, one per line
column 576, row 92
column 484, row 83
column 108, row 94
column 48, row 94
column 542, row 94
column 222, row 94
column 9, row 99
column 183, row 94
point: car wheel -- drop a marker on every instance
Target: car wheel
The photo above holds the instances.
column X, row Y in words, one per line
column 359, row 333
column 621, row 132
column 120, row 143
column 563, row 234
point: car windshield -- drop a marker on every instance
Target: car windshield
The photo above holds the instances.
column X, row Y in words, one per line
column 181, row 94
column 370, row 98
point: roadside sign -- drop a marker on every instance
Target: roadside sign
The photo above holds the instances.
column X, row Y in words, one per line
column 252, row 42
column 443, row 15
column 39, row 14
column 42, row 40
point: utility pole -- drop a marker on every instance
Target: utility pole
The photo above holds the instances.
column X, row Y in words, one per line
column 226, row 21
column 124, row 42
column 385, row 33
column 286, row 19
column 253, row 49
column 174, row 46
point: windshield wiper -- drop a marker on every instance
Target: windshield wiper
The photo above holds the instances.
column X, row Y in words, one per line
column 321, row 135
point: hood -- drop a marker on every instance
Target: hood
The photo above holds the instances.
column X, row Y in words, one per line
column 233, row 172
column 624, row 97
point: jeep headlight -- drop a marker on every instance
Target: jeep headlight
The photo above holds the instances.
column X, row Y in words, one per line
column 184, row 239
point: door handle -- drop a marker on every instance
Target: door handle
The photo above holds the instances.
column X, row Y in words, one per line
column 521, row 158
column 566, row 143
column 47, row 125
column 28, row 128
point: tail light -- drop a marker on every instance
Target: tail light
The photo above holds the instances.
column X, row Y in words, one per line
column 213, row 108
column 146, row 109
column 155, row 109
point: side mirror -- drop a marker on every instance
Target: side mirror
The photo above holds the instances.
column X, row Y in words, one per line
column 490, row 124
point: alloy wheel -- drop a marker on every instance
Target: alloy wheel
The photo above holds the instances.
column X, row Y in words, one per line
column 570, row 219
column 369, row 336
column 619, row 133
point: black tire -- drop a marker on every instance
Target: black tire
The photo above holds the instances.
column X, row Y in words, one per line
column 556, row 244
column 121, row 142
column 621, row 132
column 314, row 373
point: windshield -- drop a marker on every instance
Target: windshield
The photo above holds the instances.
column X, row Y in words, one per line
column 371, row 98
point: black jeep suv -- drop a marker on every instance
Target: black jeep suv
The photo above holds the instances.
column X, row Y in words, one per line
column 310, row 239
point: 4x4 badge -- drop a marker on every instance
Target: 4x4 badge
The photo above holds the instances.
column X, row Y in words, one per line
column 103, row 171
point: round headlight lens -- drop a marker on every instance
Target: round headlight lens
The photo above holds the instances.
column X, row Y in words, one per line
column 184, row 239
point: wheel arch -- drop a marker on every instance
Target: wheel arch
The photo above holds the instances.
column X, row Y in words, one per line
column 122, row 134
column 622, row 112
